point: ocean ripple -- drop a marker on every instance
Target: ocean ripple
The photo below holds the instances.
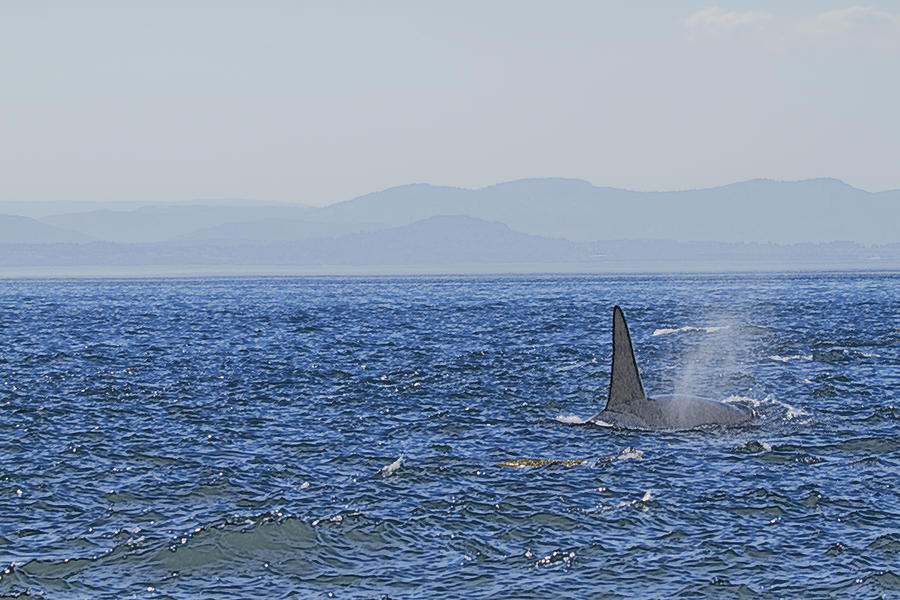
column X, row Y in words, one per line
column 417, row 438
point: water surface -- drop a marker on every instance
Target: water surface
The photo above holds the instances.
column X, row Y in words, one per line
column 417, row 438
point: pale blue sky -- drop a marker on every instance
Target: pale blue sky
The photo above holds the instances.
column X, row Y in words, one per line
column 317, row 102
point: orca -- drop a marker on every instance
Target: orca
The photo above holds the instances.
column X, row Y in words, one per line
column 629, row 407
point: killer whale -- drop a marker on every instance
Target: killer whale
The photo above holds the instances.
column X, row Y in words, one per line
column 629, row 407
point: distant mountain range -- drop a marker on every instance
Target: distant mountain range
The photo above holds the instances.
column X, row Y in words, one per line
column 760, row 210
column 15, row 229
column 539, row 221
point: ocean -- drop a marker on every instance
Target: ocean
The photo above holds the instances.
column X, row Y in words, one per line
column 421, row 437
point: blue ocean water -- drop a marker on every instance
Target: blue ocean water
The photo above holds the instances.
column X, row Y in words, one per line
column 419, row 438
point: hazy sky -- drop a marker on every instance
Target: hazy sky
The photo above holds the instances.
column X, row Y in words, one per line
column 316, row 102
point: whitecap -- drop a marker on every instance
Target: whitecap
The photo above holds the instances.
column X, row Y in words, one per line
column 644, row 499
column 743, row 400
column 792, row 412
column 576, row 420
column 391, row 468
column 785, row 359
column 630, row 453
column 712, row 329
column 571, row 419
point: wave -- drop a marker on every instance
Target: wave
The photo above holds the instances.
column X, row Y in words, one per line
column 832, row 355
column 571, row 419
column 753, row 447
column 743, row 399
column 629, row 453
column 643, row 504
column 242, row 541
column 711, row 329
column 576, row 420
column 392, row 468
column 785, row 359
column 791, row 412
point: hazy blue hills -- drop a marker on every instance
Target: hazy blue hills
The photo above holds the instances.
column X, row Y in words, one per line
column 450, row 244
column 15, row 229
column 273, row 230
column 451, row 240
column 164, row 222
column 817, row 210
column 753, row 224
column 437, row 240
column 45, row 208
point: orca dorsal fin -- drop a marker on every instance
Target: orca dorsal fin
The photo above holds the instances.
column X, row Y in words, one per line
column 625, row 387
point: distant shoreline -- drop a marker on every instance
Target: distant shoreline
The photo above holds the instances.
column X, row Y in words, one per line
column 496, row 270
